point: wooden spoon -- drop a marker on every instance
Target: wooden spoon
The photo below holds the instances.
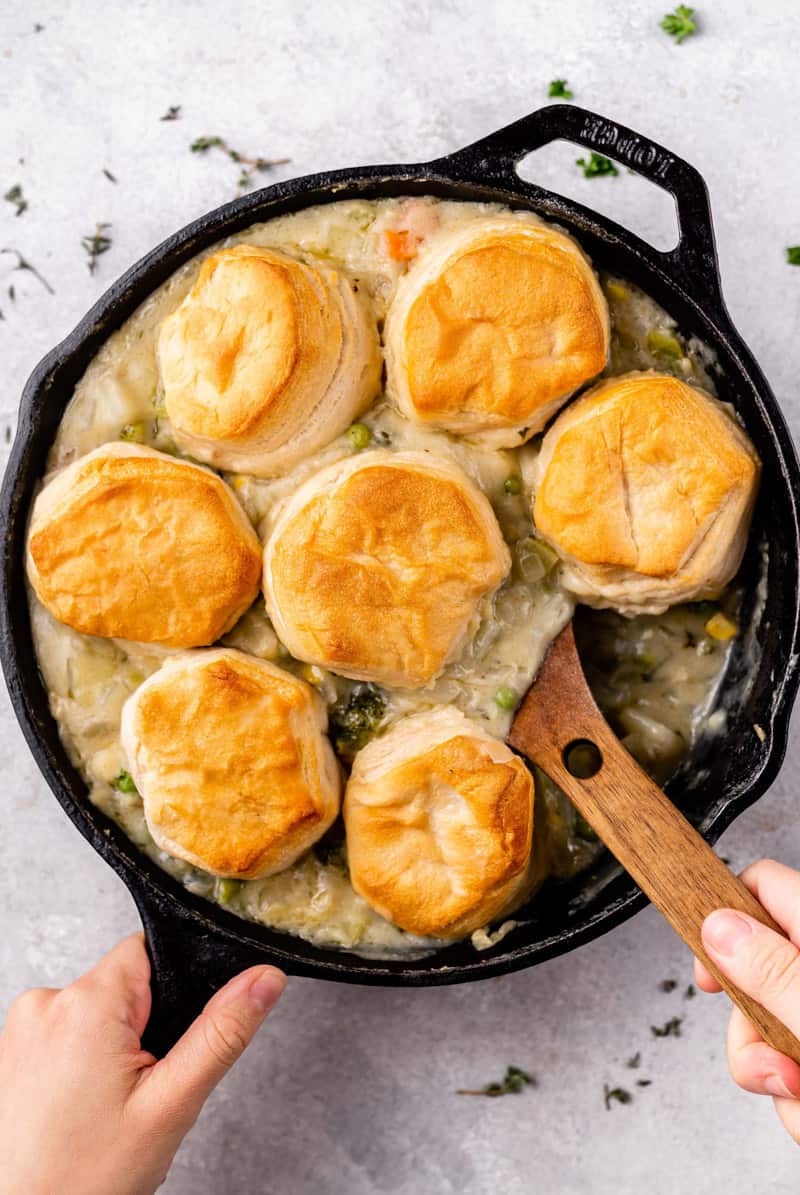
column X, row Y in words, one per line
column 558, row 720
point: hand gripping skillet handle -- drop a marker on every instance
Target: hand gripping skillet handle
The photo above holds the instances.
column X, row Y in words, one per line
column 190, row 960
column 650, row 837
column 694, row 259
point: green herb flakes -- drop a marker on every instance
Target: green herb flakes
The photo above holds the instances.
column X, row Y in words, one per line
column 514, row 1081
column 596, row 166
column 680, row 24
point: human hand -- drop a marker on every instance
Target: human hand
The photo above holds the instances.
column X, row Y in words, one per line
column 766, row 967
column 83, row 1109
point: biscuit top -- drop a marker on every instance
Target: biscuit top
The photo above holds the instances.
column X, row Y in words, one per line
column 229, row 756
column 375, row 568
column 133, row 544
column 636, row 473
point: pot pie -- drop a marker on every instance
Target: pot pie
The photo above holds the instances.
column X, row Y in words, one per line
column 420, row 692
column 129, row 543
column 645, row 487
column 266, row 360
column 231, row 760
column 377, row 565
column 494, row 328
column 439, row 822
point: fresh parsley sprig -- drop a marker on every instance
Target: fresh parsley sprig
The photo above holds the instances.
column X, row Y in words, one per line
column 680, row 24
column 559, row 90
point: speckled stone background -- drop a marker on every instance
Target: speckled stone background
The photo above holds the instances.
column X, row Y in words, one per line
column 352, row 1090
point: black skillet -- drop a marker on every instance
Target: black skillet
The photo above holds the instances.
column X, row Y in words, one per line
column 195, row 946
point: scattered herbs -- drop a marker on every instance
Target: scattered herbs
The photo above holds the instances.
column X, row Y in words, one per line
column 249, row 166
column 24, row 264
column 620, row 1094
column 792, row 253
column 596, row 166
column 690, row 992
column 96, row 245
column 14, row 195
column 668, row 985
column 514, row 1081
column 635, row 1062
column 173, row 112
column 124, row 783
column 559, row 89
column 670, row 1028
column 111, row 178
column 680, row 24
column 353, row 722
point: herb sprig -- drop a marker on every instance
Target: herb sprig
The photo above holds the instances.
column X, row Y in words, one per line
column 620, row 1094
column 248, row 166
column 680, row 24
column 558, row 89
column 96, row 244
column 670, row 1028
column 514, row 1081
column 24, row 264
column 14, row 195
column 596, row 166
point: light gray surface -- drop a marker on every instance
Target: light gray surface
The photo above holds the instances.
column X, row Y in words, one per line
column 351, row 1090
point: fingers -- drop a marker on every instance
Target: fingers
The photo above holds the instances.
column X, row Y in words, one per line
column 762, row 963
column 704, row 979
column 182, row 1081
column 777, row 888
column 122, row 980
column 755, row 1066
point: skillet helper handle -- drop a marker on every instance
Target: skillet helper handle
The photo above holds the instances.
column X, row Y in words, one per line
column 694, row 258
column 189, row 963
column 672, row 864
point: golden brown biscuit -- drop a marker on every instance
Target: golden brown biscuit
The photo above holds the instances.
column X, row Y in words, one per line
column 266, row 360
column 129, row 543
column 378, row 565
column 645, row 487
column 232, row 763
column 493, row 328
column 439, row 821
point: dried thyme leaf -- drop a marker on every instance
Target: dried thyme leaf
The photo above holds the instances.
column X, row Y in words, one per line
column 173, row 112
column 670, row 1028
column 635, row 1061
column 514, row 1081
column 620, row 1094
column 24, row 264
column 690, row 992
column 249, row 166
column 96, row 244
column 643, row 1082
column 111, row 178
column 14, row 195
column 668, row 985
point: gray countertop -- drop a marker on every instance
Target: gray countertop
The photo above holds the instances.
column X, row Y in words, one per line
column 348, row 1089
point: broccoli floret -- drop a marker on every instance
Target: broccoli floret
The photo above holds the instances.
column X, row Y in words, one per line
column 353, row 722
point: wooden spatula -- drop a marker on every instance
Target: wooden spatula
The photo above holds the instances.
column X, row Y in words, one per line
column 558, row 723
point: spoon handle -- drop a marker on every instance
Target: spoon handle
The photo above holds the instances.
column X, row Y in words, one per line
column 650, row 837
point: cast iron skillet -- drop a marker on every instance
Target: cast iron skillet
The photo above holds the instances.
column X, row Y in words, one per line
column 195, row 946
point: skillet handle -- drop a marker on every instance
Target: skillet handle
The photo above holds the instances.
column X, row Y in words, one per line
column 694, row 258
column 189, row 963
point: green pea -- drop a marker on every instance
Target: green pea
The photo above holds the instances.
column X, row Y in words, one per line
column 227, row 890
column 359, row 435
column 506, row 698
column 512, row 485
column 124, row 783
column 134, row 432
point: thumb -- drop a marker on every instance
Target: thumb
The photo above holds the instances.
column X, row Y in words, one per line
column 183, row 1080
column 763, row 964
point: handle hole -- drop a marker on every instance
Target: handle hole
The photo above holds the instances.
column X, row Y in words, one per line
column 582, row 759
column 631, row 200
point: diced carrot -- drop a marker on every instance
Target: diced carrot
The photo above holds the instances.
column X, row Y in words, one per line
column 401, row 245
